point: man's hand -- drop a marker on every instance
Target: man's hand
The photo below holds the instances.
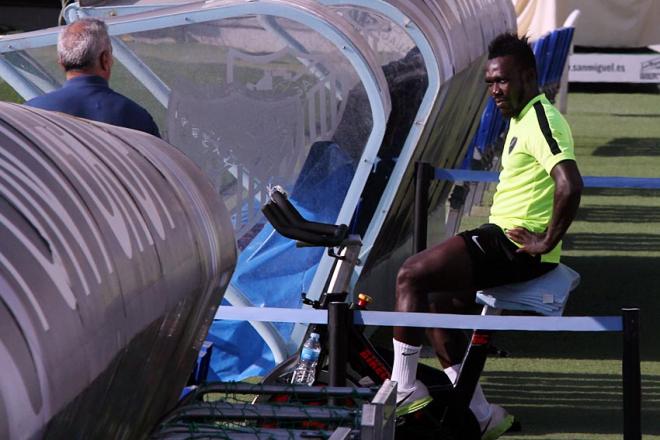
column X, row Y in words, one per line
column 533, row 243
column 568, row 187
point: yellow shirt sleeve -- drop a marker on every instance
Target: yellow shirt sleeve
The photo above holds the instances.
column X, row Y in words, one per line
column 543, row 152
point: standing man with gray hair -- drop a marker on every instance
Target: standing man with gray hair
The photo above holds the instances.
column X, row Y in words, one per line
column 85, row 53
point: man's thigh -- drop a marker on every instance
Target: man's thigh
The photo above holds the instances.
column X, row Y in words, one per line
column 444, row 267
column 495, row 260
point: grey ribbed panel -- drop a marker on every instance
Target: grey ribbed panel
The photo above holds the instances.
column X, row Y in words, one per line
column 114, row 254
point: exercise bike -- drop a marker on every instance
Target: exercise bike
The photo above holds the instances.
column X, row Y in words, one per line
column 448, row 416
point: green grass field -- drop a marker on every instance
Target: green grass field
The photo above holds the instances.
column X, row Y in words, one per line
column 568, row 385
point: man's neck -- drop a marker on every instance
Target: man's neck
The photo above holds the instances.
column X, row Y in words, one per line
column 529, row 95
column 70, row 74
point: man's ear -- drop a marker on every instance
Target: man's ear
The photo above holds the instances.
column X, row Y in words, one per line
column 529, row 76
column 105, row 60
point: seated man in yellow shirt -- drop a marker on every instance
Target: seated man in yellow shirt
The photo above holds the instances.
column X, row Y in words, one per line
column 536, row 200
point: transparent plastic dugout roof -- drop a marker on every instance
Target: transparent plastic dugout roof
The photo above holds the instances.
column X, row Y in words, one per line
column 257, row 94
column 246, row 96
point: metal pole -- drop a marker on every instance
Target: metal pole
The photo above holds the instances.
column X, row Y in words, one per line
column 632, row 382
column 340, row 320
column 423, row 174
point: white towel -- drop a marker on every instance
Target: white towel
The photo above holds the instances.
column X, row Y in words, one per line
column 546, row 294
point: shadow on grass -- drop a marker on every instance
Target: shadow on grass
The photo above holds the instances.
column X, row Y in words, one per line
column 619, row 214
column 637, row 115
column 618, row 242
column 547, row 402
column 625, row 147
column 608, row 284
column 622, row 192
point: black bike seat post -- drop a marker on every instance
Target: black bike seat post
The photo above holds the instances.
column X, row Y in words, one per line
column 340, row 319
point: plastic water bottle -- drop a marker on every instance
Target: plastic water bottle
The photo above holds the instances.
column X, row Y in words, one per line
column 305, row 370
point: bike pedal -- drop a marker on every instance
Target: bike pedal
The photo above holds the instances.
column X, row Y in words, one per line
column 421, row 420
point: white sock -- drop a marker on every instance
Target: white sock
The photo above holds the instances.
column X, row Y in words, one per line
column 478, row 405
column 404, row 370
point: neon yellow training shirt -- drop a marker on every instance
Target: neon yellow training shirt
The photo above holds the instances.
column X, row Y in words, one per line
column 538, row 138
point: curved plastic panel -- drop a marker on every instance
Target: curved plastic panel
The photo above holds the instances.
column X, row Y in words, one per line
column 115, row 254
column 329, row 102
column 426, row 61
column 302, row 76
column 424, row 19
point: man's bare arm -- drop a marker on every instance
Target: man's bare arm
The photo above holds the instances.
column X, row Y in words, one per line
column 568, row 190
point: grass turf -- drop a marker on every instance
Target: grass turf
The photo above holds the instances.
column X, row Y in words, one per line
column 568, row 385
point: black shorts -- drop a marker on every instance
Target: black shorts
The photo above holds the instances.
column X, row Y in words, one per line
column 495, row 260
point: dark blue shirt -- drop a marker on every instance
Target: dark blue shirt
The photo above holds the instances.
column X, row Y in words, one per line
column 90, row 97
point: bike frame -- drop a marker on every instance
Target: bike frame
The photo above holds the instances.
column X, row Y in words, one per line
column 364, row 364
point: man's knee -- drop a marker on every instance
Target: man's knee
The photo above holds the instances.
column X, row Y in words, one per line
column 440, row 301
column 453, row 302
column 410, row 273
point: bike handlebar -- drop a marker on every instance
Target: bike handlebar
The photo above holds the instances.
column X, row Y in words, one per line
column 286, row 220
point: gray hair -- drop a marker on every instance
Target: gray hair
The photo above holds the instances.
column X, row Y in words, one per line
column 80, row 44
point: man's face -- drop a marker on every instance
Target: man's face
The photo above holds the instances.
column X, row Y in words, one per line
column 506, row 85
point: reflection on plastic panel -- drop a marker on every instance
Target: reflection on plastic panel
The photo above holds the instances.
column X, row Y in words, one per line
column 218, row 76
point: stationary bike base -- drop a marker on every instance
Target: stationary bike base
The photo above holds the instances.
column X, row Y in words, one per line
column 428, row 423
